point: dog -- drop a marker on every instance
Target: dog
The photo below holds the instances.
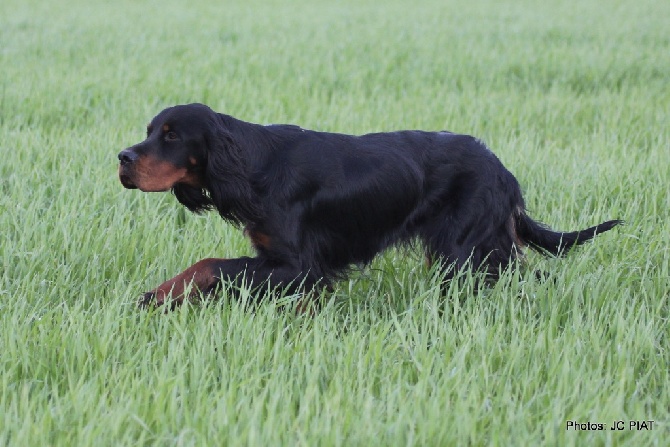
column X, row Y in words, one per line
column 314, row 204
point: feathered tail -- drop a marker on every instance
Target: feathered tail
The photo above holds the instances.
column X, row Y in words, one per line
column 543, row 239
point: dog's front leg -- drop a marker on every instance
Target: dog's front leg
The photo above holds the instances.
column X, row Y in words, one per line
column 202, row 276
column 205, row 275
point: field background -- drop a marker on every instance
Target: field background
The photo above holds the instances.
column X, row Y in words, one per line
column 572, row 95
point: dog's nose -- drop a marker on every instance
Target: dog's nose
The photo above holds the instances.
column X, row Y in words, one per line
column 127, row 156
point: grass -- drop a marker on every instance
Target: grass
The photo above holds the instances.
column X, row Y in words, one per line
column 572, row 96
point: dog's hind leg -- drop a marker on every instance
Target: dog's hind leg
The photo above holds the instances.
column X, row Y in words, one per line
column 474, row 244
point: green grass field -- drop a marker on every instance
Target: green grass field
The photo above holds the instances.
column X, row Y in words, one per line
column 573, row 97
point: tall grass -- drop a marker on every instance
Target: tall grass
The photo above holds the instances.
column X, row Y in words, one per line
column 572, row 96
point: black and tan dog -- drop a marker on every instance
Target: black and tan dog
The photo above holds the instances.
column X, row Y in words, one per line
column 316, row 203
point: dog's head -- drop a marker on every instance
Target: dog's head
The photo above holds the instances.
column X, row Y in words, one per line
column 190, row 150
column 174, row 152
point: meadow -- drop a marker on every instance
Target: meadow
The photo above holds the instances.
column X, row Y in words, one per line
column 572, row 96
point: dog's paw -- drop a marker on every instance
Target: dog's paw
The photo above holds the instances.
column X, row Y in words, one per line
column 148, row 300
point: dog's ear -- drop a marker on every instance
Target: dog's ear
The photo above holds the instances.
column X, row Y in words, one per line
column 227, row 176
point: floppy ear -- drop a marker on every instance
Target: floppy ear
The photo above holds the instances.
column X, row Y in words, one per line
column 227, row 177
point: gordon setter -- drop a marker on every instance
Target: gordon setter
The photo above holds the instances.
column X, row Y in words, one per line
column 316, row 203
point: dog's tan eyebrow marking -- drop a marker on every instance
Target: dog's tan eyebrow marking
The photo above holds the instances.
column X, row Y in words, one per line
column 166, row 128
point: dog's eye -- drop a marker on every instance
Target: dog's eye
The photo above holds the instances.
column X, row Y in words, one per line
column 171, row 136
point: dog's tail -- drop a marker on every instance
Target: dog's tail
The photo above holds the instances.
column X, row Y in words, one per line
column 543, row 239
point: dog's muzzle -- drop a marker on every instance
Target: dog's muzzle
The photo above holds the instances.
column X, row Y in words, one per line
column 127, row 158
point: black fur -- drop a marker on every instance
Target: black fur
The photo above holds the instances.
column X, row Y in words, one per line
column 316, row 203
